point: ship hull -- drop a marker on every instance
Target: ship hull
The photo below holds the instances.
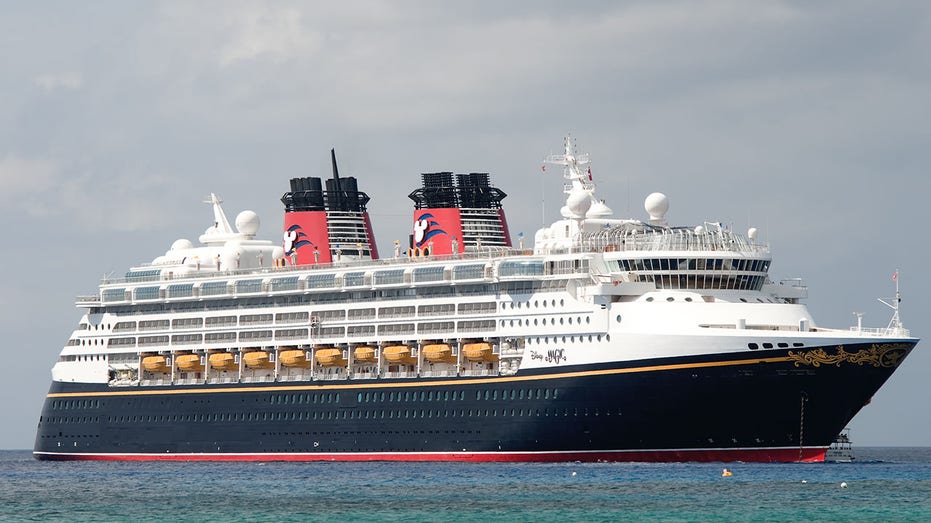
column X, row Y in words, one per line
column 776, row 405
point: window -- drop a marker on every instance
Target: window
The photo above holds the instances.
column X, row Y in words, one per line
column 389, row 277
column 353, row 279
column 249, row 286
column 146, row 293
column 213, row 288
column 468, row 272
column 289, row 283
column 181, row 291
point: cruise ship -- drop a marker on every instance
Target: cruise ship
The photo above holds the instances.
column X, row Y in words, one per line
column 607, row 339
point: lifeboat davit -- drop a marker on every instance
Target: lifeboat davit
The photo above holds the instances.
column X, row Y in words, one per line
column 223, row 361
column 258, row 360
column 364, row 354
column 329, row 357
column 189, row 363
column 438, row 353
column 479, row 352
column 294, row 358
column 399, row 354
column 156, row 364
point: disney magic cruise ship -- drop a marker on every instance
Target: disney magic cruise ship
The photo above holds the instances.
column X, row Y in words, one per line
column 609, row 339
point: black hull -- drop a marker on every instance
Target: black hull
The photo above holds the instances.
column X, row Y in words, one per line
column 760, row 406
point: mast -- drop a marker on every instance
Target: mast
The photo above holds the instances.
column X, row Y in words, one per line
column 895, row 324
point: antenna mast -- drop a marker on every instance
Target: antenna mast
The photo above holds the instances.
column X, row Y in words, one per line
column 895, row 324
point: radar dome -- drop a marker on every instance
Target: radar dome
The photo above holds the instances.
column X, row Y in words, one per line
column 181, row 245
column 247, row 222
column 578, row 202
column 752, row 233
column 656, row 205
column 599, row 210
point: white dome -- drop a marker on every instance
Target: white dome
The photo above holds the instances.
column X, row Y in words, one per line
column 656, row 205
column 182, row 245
column 599, row 210
column 752, row 234
column 247, row 222
column 578, row 202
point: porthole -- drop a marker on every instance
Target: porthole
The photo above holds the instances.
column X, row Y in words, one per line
column 650, row 298
column 782, row 345
column 743, row 300
column 688, row 298
column 767, row 345
column 753, row 346
column 562, row 303
column 588, row 319
column 563, row 319
column 536, row 303
column 618, row 319
column 535, row 321
column 670, row 299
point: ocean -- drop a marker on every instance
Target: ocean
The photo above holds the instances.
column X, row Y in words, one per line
column 883, row 484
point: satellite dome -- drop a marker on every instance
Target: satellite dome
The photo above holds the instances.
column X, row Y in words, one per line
column 578, row 202
column 752, row 234
column 247, row 222
column 656, row 205
column 181, row 245
column 599, row 210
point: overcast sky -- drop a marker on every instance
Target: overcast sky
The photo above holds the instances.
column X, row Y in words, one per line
column 808, row 120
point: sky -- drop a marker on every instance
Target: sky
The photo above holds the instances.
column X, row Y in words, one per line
column 807, row 120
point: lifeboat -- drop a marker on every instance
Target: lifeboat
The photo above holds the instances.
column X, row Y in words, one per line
column 223, row 361
column 257, row 360
column 329, row 357
column 399, row 354
column 438, row 353
column 189, row 363
column 479, row 352
column 364, row 354
column 294, row 358
column 156, row 364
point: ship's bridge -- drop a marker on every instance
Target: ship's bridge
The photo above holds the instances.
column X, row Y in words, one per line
column 709, row 256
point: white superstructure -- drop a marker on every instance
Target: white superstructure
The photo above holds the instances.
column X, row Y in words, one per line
column 594, row 289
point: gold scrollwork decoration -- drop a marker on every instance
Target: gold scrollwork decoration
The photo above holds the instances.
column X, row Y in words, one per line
column 878, row 355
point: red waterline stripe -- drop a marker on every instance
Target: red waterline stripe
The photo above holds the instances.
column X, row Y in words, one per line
column 775, row 455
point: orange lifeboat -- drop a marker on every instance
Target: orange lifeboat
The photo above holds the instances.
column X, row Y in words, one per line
column 438, row 353
column 399, row 354
column 294, row 358
column 257, row 360
column 223, row 361
column 479, row 352
column 156, row 364
column 330, row 357
column 364, row 354
column 189, row 363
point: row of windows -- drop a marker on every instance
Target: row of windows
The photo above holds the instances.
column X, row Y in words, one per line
column 336, row 297
column 768, row 345
column 367, row 397
column 545, row 321
column 493, row 395
column 75, row 404
column 704, row 281
column 344, row 414
column 693, row 264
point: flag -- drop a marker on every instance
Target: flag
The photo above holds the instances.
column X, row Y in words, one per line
column 590, row 174
column 543, row 168
column 895, row 276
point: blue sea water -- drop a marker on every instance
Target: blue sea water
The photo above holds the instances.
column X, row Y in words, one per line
column 884, row 484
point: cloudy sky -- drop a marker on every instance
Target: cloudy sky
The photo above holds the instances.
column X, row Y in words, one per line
column 808, row 120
